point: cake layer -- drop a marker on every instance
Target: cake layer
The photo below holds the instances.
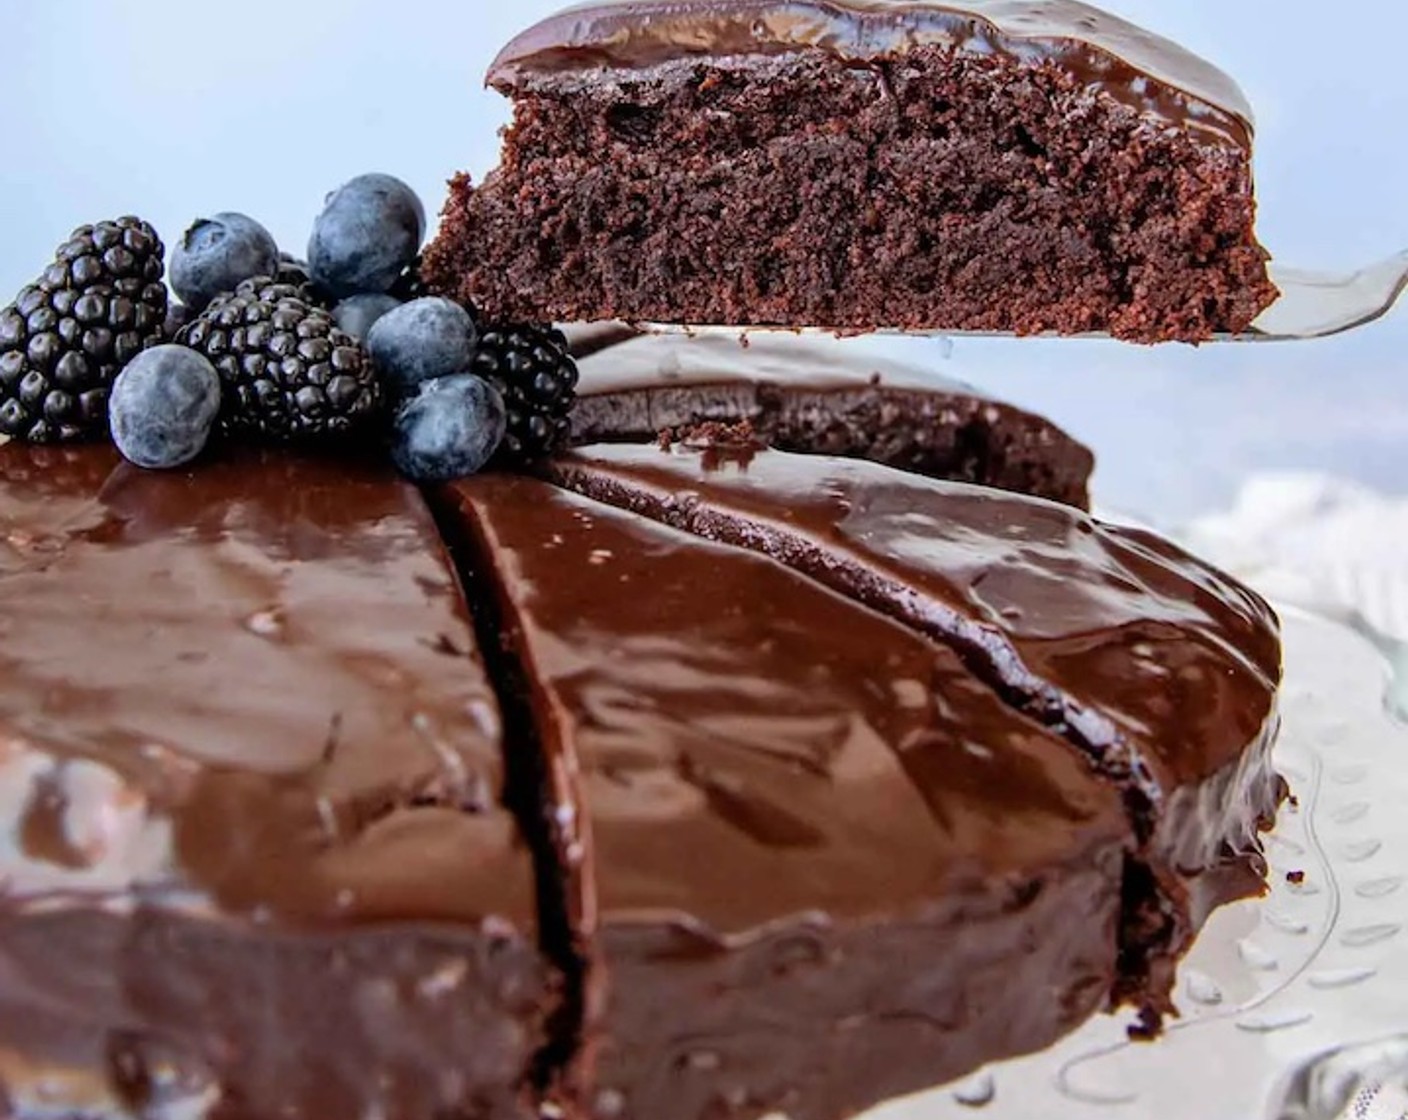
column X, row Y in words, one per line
column 1159, row 670
column 813, row 863
column 824, row 396
column 251, row 770
column 1021, row 167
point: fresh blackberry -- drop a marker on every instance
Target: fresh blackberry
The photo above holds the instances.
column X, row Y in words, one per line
column 289, row 373
column 271, row 289
column 66, row 336
column 125, row 255
column 293, row 271
column 535, row 375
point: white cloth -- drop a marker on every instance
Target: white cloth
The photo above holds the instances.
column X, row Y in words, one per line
column 1317, row 542
column 1378, row 1102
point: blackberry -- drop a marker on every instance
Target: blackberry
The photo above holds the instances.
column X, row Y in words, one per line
column 125, row 255
column 293, row 271
column 535, row 375
column 271, row 289
column 289, row 374
column 66, row 336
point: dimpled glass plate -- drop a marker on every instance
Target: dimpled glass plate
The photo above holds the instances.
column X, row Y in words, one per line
column 1294, row 1007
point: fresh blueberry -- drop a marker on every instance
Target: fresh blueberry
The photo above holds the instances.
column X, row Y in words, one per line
column 449, row 429
column 356, row 314
column 426, row 338
column 163, row 406
column 215, row 254
column 369, row 231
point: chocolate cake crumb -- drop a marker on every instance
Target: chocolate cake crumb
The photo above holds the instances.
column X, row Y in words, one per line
column 712, row 434
column 1295, row 878
column 972, row 190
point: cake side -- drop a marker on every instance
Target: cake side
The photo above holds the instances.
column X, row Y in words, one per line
column 824, row 397
column 809, row 854
column 1161, row 673
column 936, row 190
column 257, row 860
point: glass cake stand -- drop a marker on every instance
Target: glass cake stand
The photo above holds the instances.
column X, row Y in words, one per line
column 1295, row 1007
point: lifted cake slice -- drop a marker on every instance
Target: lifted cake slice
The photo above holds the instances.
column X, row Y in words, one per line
column 980, row 165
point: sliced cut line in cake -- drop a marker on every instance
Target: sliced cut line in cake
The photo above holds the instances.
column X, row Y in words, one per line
column 256, row 859
column 1159, row 670
column 804, row 849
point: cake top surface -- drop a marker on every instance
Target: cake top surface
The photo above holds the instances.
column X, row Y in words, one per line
column 1150, row 643
column 1151, row 73
column 826, row 758
column 252, row 690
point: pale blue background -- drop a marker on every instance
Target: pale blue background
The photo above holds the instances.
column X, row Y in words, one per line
column 175, row 109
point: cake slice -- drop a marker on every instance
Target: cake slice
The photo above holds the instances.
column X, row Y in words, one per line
column 824, row 396
column 257, row 862
column 810, row 862
column 977, row 165
column 1158, row 670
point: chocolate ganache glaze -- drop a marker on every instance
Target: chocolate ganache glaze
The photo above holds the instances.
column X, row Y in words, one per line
column 254, row 861
column 790, row 784
column 825, row 396
column 1162, row 672
column 1149, row 74
column 814, row 863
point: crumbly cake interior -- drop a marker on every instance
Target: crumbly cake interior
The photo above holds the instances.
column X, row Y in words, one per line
column 937, row 190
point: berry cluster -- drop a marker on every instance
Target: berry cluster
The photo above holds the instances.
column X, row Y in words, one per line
column 264, row 346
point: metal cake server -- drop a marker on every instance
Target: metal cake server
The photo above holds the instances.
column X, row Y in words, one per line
column 1321, row 304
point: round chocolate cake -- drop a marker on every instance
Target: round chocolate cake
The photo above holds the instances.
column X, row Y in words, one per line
column 696, row 778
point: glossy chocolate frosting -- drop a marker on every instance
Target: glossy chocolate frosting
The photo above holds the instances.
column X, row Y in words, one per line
column 1158, row 666
column 245, row 735
column 1153, row 76
column 745, row 761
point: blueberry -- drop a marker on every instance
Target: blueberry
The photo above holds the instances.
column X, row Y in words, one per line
column 215, row 254
column 421, row 340
column 163, row 406
column 369, row 231
column 356, row 314
column 449, row 429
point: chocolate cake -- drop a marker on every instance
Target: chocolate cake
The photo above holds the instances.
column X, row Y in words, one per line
column 1161, row 672
column 255, row 860
column 982, row 165
column 749, row 783
column 802, row 393
column 1068, row 726
column 781, row 794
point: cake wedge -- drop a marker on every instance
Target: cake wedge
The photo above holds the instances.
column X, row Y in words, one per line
column 1019, row 166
